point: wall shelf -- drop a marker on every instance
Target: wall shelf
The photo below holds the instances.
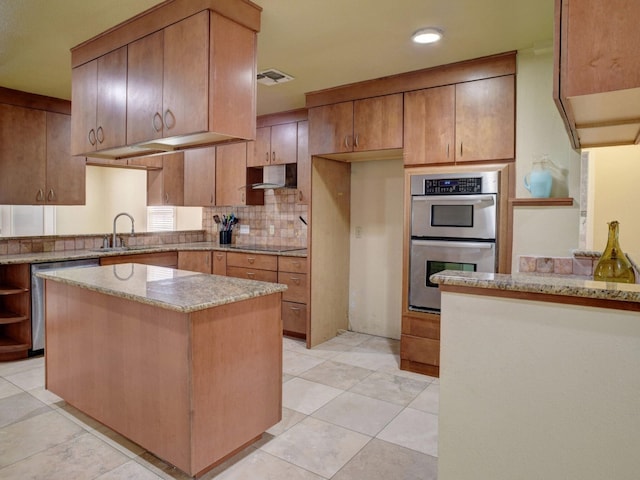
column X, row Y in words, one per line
column 541, row 202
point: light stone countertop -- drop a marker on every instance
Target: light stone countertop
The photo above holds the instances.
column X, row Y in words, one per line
column 59, row 256
column 163, row 287
column 567, row 285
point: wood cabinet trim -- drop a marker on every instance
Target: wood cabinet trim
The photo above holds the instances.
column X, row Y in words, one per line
column 475, row 69
column 156, row 18
column 543, row 297
column 33, row 101
column 289, row 116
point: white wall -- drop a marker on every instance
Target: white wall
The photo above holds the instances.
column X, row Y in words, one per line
column 615, row 195
column 375, row 279
column 532, row 390
column 111, row 191
column 552, row 231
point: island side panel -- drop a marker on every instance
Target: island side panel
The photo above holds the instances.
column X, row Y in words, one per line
column 237, row 376
column 123, row 363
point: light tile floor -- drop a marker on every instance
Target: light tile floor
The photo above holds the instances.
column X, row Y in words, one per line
column 349, row 413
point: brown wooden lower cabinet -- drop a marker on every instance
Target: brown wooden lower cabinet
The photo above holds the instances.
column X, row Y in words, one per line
column 160, row 259
column 420, row 344
column 197, row 261
column 219, row 266
column 294, row 318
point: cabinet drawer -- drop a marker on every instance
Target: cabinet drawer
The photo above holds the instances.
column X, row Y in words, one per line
column 252, row 274
column 297, row 283
column 427, row 327
column 219, row 263
column 294, row 317
column 292, row 264
column 250, row 260
column 421, row 350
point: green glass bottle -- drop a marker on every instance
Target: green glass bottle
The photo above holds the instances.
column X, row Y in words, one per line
column 613, row 265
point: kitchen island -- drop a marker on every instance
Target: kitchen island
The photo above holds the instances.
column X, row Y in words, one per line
column 187, row 365
column 539, row 377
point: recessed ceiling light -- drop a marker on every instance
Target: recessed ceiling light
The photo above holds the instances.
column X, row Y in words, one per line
column 427, row 35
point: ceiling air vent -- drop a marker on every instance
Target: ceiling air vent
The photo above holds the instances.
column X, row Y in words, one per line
column 272, row 76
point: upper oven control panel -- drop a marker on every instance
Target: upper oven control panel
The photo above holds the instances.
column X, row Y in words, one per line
column 458, row 183
column 452, row 185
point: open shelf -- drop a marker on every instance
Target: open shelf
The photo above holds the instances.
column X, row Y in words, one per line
column 9, row 290
column 541, row 202
column 9, row 345
column 7, row 317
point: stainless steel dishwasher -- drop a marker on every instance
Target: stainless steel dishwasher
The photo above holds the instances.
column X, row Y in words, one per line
column 37, row 297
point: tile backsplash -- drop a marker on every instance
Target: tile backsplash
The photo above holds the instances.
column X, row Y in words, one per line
column 54, row 243
column 280, row 214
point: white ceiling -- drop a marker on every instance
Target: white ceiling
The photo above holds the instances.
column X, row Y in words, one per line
column 322, row 43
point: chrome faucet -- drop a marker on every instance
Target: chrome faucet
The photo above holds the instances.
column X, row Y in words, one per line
column 114, row 244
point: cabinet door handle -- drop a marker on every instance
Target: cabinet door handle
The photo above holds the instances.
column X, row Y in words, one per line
column 39, row 195
column 100, row 134
column 51, row 196
column 273, row 157
column 251, row 260
column 166, row 197
column 447, row 150
column 346, row 141
column 242, row 198
column 211, row 200
column 92, row 136
column 296, row 264
column 169, row 114
column 299, row 195
column 266, row 157
column 460, row 148
column 219, row 256
column 295, row 280
column 251, row 274
column 355, row 140
column 156, row 122
column 296, row 310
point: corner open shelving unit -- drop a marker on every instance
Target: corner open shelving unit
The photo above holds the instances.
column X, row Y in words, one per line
column 15, row 311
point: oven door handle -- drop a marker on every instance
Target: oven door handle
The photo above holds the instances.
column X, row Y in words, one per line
column 447, row 244
column 466, row 199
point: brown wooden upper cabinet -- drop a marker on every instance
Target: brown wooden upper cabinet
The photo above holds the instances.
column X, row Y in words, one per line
column 274, row 145
column 304, row 164
column 165, row 186
column 233, row 178
column 185, row 78
column 597, row 81
column 168, row 80
column 36, row 166
column 470, row 121
column 356, row 126
column 99, row 103
column 200, row 177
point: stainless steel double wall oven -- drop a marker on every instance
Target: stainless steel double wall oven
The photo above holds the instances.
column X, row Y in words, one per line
column 453, row 227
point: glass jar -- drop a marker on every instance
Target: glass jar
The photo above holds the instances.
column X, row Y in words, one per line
column 613, row 265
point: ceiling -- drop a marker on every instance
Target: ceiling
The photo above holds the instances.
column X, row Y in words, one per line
column 322, row 43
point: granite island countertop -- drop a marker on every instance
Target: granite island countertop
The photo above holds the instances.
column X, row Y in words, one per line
column 163, row 287
column 561, row 285
column 59, row 256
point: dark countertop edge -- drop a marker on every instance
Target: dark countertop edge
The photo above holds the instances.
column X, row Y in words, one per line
column 266, row 290
column 59, row 256
column 562, row 285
